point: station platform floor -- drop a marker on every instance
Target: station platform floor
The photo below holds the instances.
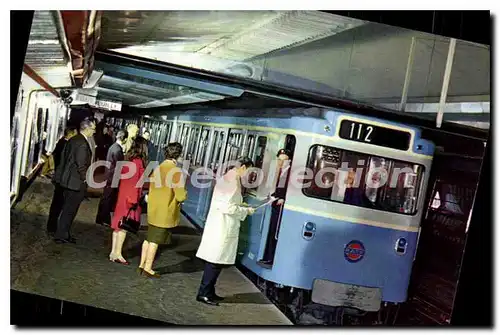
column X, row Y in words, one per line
column 82, row 273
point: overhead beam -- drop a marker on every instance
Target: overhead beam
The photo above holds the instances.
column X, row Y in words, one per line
column 82, row 30
column 124, row 94
column 110, row 79
column 176, row 80
column 33, row 75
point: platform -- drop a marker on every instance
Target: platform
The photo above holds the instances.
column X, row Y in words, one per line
column 83, row 274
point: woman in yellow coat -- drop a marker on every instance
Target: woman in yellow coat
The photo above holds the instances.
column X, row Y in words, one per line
column 166, row 193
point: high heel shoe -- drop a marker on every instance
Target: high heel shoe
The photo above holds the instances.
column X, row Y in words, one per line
column 116, row 260
column 150, row 275
column 139, row 271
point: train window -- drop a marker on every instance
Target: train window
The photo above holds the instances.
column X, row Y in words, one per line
column 290, row 142
column 260, row 150
column 234, row 145
column 36, row 140
column 178, row 134
column 45, row 131
column 184, row 136
column 217, row 149
column 250, row 146
column 14, row 148
column 258, row 159
column 193, row 143
column 363, row 180
column 61, row 124
column 203, row 147
column 163, row 136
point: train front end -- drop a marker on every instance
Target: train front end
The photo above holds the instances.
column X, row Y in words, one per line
column 349, row 231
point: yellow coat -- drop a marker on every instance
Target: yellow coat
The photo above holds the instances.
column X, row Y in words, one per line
column 165, row 195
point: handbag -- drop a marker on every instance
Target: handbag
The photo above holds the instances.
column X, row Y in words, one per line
column 128, row 223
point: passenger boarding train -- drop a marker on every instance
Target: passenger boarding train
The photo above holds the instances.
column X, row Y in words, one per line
column 330, row 250
column 340, row 253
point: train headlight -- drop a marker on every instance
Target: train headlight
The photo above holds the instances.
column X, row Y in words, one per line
column 308, row 231
column 401, row 245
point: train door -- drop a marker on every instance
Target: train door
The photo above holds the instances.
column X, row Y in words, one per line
column 190, row 143
column 199, row 160
column 284, row 158
column 256, row 146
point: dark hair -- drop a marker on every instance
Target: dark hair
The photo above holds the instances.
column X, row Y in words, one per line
column 86, row 123
column 284, row 151
column 245, row 161
column 121, row 135
column 139, row 149
column 69, row 130
column 173, row 150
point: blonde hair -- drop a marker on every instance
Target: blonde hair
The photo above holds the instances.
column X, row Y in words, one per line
column 132, row 126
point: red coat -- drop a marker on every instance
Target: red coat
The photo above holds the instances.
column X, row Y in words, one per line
column 128, row 194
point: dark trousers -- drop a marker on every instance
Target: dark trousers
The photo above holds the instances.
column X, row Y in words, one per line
column 106, row 205
column 210, row 274
column 72, row 201
column 271, row 240
column 55, row 208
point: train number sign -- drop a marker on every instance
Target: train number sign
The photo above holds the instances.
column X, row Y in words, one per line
column 375, row 135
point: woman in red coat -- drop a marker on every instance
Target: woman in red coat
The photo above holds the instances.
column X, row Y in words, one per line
column 129, row 193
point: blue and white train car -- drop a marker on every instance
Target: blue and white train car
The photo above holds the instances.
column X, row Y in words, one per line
column 342, row 252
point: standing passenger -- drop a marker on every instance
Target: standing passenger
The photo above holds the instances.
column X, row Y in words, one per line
column 132, row 131
column 283, row 164
column 129, row 193
column 68, row 134
column 151, row 147
column 108, row 199
column 164, row 203
column 58, row 197
column 219, row 242
column 70, row 177
column 54, row 158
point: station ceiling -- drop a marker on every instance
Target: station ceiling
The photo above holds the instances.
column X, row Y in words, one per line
column 45, row 53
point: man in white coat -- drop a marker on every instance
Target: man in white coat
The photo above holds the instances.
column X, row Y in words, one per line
column 219, row 242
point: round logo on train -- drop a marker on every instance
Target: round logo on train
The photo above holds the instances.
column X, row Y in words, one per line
column 354, row 251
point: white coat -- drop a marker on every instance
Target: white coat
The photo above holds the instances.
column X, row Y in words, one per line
column 219, row 242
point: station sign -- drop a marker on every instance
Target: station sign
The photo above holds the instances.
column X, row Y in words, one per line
column 84, row 98
column 110, row 105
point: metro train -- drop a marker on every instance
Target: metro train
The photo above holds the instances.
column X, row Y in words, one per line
column 356, row 256
column 38, row 123
column 330, row 252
